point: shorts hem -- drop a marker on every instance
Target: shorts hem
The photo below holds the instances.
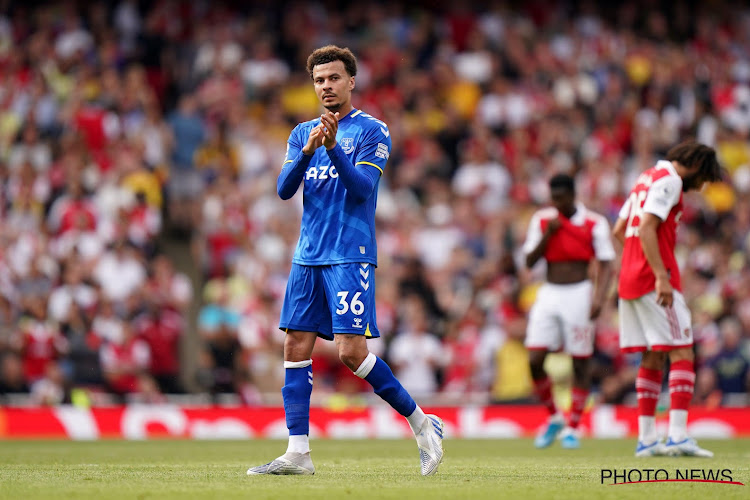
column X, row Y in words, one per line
column 557, row 351
column 656, row 348
column 635, row 348
column 301, row 328
column 373, row 335
column 667, row 348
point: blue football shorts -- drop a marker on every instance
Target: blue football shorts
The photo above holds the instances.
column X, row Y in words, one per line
column 330, row 299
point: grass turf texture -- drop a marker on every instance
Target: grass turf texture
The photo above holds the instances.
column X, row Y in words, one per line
column 472, row 469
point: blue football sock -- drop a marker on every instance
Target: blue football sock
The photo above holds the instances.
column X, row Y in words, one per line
column 296, row 393
column 386, row 386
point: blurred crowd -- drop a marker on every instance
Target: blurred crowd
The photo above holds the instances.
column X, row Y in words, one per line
column 124, row 124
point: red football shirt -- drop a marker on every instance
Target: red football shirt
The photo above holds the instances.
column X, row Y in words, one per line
column 582, row 237
column 658, row 190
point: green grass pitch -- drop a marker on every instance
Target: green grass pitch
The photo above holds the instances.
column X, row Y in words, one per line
column 359, row 469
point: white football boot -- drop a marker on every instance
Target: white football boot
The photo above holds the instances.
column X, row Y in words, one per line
column 290, row 463
column 686, row 448
column 430, row 443
column 655, row 449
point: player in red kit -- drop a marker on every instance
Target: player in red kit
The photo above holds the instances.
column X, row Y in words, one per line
column 570, row 238
column 654, row 317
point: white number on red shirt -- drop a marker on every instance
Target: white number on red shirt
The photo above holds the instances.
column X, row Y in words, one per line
column 636, row 210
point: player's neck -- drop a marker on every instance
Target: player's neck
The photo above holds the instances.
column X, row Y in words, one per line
column 570, row 213
column 343, row 110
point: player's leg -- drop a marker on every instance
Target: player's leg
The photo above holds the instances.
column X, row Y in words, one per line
column 543, row 335
column 570, row 435
column 298, row 384
column 351, row 292
column 296, row 393
column 648, row 381
column 648, row 389
column 578, row 333
column 543, row 390
column 542, row 383
column 681, row 384
column 353, row 353
column 428, row 429
column 304, row 316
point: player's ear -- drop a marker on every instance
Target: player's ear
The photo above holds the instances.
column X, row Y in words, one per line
column 351, row 83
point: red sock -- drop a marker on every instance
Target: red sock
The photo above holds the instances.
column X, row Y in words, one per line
column 647, row 388
column 543, row 390
column 577, row 405
column 681, row 384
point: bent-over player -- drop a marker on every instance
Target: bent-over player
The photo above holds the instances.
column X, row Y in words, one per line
column 654, row 318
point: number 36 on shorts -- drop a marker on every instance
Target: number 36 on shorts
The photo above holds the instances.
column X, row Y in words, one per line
column 352, row 298
column 330, row 299
column 356, row 305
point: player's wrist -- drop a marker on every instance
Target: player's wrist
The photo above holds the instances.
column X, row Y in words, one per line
column 331, row 148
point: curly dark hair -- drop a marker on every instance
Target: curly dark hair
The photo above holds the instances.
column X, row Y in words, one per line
column 331, row 53
column 694, row 154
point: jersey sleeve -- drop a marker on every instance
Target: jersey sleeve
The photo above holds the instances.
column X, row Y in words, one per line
column 603, row 248
column 293, row 145
column 663, row 194
column 293, row 169
column 533, row 234
column 625, row 210
column 376, row 147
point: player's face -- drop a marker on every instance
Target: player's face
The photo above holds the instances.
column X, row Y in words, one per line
column 563, row 200
column 333, row 85
column 693, row 181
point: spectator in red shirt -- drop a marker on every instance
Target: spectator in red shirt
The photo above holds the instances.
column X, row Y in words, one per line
column 72, row 211
column 123, row 362
column 161, row 328
column 40, row 338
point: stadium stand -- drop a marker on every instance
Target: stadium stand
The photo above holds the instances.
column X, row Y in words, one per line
column 144, row 252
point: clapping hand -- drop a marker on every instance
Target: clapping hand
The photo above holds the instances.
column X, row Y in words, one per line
column 330, row 126
column 314, row 141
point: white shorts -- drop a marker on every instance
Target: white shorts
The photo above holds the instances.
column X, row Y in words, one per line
column 647, row 326
column 559, row 319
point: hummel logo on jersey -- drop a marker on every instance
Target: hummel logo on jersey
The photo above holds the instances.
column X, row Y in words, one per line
column 382, row 151
column 357, row 323
column 347, row 144
column 322, row 172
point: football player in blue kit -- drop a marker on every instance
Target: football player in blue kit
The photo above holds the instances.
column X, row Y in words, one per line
column 339, row 158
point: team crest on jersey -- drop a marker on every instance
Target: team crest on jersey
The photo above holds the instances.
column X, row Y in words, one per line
column 347, row 144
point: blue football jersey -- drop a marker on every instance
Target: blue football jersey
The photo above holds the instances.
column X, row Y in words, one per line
column 336, row 228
